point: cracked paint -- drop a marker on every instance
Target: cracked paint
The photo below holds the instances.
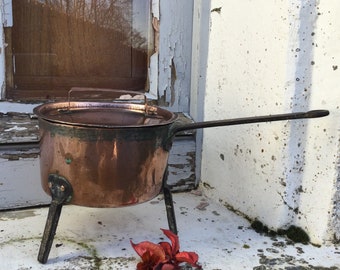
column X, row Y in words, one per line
column 175, row 54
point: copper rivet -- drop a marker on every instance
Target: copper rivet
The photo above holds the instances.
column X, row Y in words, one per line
column 62, row 188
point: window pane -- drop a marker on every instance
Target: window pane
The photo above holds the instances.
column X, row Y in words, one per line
column 59, row 44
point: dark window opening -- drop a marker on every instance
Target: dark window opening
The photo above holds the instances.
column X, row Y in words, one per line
column 55, row 45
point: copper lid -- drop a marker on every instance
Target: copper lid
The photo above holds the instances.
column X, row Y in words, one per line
column 104, row 114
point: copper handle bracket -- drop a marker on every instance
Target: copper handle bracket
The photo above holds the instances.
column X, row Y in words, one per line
column 61, row 191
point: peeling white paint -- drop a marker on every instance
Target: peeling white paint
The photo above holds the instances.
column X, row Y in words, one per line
column 153, row 66
column 18, row 123
column 20, row 183
column 153, row 77
column 155, row 8
column 7, row 17
column 16, row 128
column 175, row 54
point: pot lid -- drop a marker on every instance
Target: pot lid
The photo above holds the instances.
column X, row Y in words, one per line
column 104, row 114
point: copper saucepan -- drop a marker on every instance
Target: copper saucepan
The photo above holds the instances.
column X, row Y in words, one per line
column 115, row 153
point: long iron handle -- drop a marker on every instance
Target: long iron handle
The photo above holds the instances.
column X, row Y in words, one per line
column 254, row 119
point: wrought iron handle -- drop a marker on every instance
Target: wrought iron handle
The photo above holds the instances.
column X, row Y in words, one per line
column 175, row 128
column 250, row 120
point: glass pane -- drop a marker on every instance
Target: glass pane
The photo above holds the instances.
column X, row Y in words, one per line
column 59, row 44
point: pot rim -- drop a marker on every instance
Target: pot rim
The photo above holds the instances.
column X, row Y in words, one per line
column 61, row 113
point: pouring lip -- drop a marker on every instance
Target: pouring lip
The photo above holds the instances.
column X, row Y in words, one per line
column 104, row 114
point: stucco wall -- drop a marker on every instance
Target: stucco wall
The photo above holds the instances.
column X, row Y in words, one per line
column 269, row 57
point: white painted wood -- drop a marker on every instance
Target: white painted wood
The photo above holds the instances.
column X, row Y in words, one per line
column 155, row 8
column 200, row 34
column 201, row 16
column 153, row 67
column 2, row 54
column 181, row 164
column 20, row 184
column 7, row 18
column 175, row 54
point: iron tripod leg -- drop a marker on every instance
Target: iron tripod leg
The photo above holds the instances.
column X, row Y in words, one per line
column 169, row 205
column 61, row 191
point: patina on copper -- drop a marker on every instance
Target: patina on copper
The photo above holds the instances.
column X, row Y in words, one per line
column 115, row 154
column 112, row 154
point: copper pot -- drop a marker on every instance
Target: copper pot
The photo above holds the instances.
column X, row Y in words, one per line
column 115, row 153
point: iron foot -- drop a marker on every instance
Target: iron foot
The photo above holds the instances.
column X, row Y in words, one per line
column 61, row 192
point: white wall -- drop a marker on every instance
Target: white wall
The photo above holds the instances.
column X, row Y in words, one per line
column 269, row 57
